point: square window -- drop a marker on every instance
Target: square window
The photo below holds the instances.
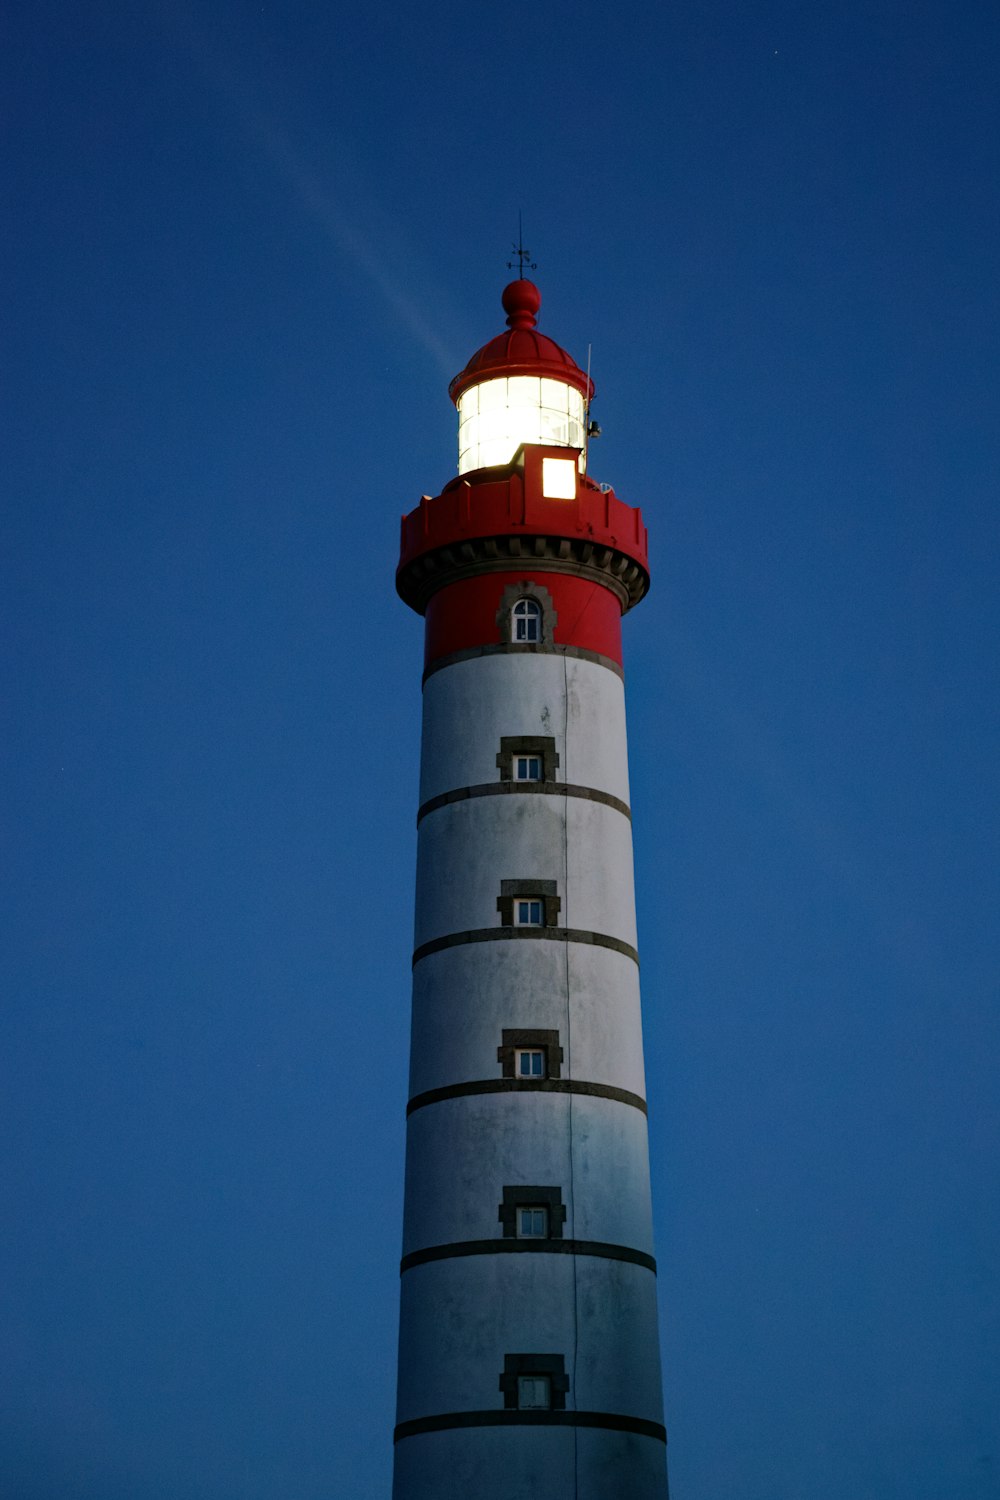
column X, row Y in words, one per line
column 532, row 1213
column 530, row 902
column 528, row 757
column 532, row 1223
column 558, row 478
column 534, row 1393
column 530, row 1053
column 534, row 1382
column 530, row 1062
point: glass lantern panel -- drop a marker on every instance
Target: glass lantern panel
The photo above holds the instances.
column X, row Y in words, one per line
column 497, row 416
column 492, row 395
column 555, row 394
column 554, row 428
column 522, row 390
column 490, row 426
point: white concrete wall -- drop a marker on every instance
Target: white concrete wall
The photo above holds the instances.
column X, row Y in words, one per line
column 461, row 1153
column 463, row 1315
column 529, row 1463
column 469, row 706
column 464, row 850
column 464, row 997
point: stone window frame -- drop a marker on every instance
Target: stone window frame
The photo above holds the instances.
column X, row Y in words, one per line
column 514, row 1040
column 542, row 745
column 541, row 890
column 550, row 1366
column 526, row 588
column 531, row 1197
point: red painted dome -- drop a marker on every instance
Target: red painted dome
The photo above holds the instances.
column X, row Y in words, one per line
column 521, row 350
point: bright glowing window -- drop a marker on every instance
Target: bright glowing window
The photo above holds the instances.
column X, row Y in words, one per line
column 558, row 479
column 497, row 416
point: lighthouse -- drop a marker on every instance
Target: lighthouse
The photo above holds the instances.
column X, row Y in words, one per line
column 529, row 1363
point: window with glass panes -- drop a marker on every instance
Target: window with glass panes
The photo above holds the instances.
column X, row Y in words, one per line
column 528, row 902
column 528, row 1043
column 534, row 1380
column 530, row 1062
column 527, row 621
column 534, row 1393
column 533, row 1223
column 522, row 1203
column 527, row 757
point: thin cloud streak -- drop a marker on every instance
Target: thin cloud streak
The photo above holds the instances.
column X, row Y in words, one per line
column 346, row 236
column 316, row 197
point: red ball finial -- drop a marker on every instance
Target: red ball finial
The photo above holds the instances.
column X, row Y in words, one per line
column 521, row 301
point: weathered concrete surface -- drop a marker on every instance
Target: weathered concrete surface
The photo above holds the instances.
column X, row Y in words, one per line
column 461, row 1152
column 469, row 706
column 464, row 850
column 461, row 1316
column 525, row 1463
column 464, row 997
column 463, row 1313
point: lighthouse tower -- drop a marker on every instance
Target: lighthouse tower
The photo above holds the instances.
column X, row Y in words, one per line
column 529, row 1364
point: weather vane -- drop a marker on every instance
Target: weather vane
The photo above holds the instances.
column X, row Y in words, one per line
column 524, row 259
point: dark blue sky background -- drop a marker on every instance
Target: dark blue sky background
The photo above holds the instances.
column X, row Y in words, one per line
column 245, row 247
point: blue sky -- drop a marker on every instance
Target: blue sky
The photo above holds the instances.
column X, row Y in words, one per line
column 245, row 248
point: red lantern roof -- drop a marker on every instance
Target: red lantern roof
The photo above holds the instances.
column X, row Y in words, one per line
column 522, row 350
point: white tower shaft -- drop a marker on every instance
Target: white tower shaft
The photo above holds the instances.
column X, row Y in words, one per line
column 481, row 1302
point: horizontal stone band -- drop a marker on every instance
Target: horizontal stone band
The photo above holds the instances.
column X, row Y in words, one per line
column 526, row 1086
column 510, row 649
column 522, row 934
column 532, row 1247
column 520, row 789
column 613, row 1420
column 581, row 556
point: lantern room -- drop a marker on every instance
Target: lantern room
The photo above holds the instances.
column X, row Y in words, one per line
column 520, row 388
